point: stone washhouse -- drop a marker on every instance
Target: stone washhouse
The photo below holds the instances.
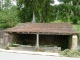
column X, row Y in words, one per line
column 39, row 34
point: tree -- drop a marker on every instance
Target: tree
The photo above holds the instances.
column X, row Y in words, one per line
column 8, row 14
column 7, row 4
column 24, row 10
column 9, row 18
column 1, row 4
column 35, row 8
column 68, row 11
column 44, row 9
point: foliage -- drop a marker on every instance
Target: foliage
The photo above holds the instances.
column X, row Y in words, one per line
column 44, row 10
column 58, row 21
column 8, row 14
column 14, row 45
column 8, row 18
column 7, row 48
column 74, row 20
column 68, row 11
column 7, row 4
column 41, row 8
column 24, row 10
column 70, row 53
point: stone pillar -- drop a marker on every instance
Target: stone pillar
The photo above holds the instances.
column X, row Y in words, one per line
column 37, row 41
column 5, row 39
column 74, row 42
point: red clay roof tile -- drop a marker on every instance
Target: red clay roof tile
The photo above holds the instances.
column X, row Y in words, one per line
column 52, row 28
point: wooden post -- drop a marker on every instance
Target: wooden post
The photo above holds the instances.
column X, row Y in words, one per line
column 74, row 42
column 37, row 41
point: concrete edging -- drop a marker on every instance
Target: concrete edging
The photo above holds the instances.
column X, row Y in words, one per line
column 31, row 53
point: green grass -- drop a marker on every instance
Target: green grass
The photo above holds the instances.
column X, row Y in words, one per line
column 70, row 53
column 77, row 27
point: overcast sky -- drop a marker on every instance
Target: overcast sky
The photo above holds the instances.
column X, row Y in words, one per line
column 56, row 2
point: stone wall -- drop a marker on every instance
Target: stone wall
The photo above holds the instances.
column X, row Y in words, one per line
column 1, row 37
column 79, row 41
column 1, row 33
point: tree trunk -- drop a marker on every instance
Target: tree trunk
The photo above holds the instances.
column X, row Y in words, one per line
column 34, row 18
column 1, row 4
column 41, row 19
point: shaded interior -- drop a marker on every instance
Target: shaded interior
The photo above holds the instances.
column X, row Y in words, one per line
column 48, row 40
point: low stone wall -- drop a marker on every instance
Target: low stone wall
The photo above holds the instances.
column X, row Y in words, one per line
column 1, row 33
column 79, row 41
column 1, row 36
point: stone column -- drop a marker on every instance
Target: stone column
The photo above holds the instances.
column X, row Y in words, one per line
column 37, row 41
column 5, row 39
column 74, row 42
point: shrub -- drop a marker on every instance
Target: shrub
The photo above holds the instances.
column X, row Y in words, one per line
column 7, row 48
column 74, row 19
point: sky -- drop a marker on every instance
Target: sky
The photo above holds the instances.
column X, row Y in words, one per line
column 57, row 2
column 14, row 2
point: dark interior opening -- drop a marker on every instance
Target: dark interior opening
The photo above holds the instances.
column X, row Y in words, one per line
column 55, row 40
column 50, row 40
column 26, row 39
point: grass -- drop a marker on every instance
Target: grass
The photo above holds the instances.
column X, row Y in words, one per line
column 70, row 53
column 77, row 27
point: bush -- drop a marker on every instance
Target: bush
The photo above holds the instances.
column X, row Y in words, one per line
column 70, row 53
column 9, row 18
column 74, row 19
column 7, row 48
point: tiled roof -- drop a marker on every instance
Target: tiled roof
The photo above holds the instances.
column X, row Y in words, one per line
column 43, row 28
